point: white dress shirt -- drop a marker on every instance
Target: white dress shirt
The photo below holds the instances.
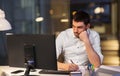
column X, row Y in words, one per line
column 74, row 49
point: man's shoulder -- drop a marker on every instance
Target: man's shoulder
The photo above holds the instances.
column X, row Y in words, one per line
column 92, row 32
column 67, row 31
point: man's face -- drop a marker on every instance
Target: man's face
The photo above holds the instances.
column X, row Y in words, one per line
column 78, row 27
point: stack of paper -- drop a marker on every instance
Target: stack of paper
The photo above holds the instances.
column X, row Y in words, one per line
column 108, row 71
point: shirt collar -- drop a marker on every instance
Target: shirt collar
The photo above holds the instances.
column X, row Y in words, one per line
column 88, row 31
column 73, row 34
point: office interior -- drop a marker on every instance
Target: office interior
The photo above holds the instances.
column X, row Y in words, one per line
column 54, row 16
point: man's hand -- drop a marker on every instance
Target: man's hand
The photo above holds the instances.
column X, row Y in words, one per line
column 68, row 66
column 83, row 36
column 71, row 67
column 92, row 55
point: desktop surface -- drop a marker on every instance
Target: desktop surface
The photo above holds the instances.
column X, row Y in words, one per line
column 7, row 70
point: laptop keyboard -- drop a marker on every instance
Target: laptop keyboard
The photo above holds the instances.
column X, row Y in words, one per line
column 44, row 71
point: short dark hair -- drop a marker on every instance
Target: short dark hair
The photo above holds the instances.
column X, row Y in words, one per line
column 81, row 16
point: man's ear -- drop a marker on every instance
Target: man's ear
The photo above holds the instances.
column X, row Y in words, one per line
column 88, row 26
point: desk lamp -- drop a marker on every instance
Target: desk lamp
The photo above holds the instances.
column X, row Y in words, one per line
column 4, row 24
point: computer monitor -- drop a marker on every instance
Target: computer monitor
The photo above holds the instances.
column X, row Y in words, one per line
column 40, row 48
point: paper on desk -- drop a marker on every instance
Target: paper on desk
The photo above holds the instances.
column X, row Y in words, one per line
column 79, row 72
column 113, row 68
column 108, row 70
column 82, row 71
column 76, row 73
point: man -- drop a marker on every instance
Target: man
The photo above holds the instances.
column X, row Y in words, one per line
column 79, row 44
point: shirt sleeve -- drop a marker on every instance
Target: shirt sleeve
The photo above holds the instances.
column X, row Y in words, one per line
column 59, row 44
column 97, row 46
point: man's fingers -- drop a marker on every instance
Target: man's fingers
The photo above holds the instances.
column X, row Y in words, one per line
column 73, row 67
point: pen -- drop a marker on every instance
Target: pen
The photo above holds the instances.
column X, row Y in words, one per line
column 72, row 61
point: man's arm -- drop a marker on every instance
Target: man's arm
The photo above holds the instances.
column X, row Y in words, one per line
column 92, row 55
column 67, row 66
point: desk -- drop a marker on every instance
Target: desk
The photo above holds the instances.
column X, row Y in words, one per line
column 108, row 71
column 102, row 71
column 6, row 71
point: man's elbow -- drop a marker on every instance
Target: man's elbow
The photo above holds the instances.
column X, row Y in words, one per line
column 97, row 65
